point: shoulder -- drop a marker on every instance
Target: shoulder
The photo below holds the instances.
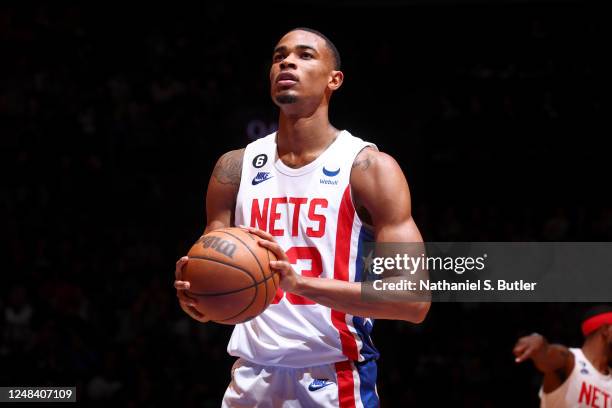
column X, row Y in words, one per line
column 378, row 186
column 370, row 165
column 233, row 155
column 229, row 167
column 371, row 159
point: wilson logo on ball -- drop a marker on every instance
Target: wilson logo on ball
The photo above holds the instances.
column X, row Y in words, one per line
column 220, row 245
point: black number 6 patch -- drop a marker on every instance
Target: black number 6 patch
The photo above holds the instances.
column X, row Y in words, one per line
column 260, row 160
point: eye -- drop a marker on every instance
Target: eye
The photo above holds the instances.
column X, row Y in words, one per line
column 277, row 57
column 306, row 55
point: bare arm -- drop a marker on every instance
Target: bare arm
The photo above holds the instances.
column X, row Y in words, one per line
column 220, row 203
column 222, row 190
column 554, row 360
column 379, row 186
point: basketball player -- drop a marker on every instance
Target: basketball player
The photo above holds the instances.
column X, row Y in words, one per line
column 575, row 377
column 314, row 194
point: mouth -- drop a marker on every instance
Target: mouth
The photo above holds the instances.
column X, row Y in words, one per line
column 286, row 79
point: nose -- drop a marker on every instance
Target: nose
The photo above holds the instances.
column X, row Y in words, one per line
column 288, row 62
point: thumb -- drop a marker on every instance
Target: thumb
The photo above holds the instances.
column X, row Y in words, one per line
column 523, row 354
column 281, row 266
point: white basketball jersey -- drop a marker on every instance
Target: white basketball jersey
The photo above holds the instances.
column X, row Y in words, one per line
column 310, row 213
column 585, row 387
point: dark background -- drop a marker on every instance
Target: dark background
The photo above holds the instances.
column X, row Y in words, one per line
column 112, row 117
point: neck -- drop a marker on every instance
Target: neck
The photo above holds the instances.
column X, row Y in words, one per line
column 304, row 135
column 596, row 351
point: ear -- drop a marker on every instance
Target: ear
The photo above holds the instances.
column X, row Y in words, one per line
column 606, row 332
column 335, row 80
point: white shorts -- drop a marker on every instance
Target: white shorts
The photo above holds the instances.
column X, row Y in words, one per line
column 344, row 384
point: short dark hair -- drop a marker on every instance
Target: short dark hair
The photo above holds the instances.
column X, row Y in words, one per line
column 330, row 45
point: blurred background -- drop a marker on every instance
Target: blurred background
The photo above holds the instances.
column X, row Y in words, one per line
column 112, row 117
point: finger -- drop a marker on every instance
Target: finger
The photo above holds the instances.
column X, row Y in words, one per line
column 182, row 285
column 525, row 355
column 179, row 266
column 275, row 248
column 520, row 344
column 200, row 317
column 518, row 349
column 185, row 298
column 187, row 301
column 261, row 234
column 282, row 266
column 194, row 313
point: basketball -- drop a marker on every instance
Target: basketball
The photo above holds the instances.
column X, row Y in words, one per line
column 230, row 276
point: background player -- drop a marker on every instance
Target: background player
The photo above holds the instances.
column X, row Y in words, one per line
column 315, row 194
column 574, row 377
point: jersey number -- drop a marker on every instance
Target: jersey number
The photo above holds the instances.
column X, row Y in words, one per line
column 316, row 268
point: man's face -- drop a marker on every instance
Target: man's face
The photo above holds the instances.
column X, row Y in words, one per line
column 301, row 70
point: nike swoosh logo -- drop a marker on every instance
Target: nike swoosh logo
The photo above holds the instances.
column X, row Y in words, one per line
column 256, row 181
column 318, row 385
column 329, row 173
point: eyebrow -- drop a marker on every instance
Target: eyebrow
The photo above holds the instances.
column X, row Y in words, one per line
column 300, row 46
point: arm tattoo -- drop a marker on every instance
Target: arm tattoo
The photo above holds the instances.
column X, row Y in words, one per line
column 229, row 168
column 362, row 161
